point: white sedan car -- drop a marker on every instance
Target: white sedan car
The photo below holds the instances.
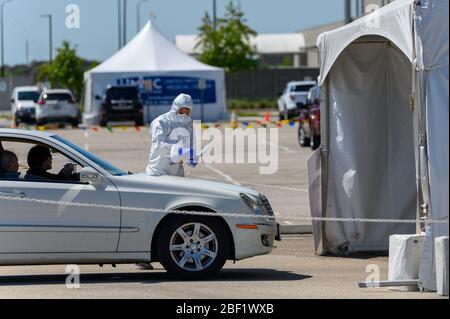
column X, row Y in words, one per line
column 105, row 216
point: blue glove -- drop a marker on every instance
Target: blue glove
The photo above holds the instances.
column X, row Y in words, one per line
column 189, row 155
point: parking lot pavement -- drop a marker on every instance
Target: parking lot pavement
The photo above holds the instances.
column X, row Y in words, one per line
column 287, row 189
column 291, row 271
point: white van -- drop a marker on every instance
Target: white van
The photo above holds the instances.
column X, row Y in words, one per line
column 23, row 107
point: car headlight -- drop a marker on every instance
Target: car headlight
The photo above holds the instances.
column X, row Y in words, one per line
column 252, row 204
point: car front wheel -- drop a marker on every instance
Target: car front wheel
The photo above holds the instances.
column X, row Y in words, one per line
column 193, row 247
column 302, row 139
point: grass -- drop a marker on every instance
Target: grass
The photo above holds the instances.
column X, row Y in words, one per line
column 246, row 104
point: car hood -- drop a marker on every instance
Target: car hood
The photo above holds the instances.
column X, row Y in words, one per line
column 183, row 185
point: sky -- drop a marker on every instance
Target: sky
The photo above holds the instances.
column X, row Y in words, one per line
column 97, row 37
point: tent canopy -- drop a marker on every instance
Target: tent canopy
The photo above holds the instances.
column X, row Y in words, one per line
column 368, row 152
column 160, row 71
column 393, row 22
column 150, row 51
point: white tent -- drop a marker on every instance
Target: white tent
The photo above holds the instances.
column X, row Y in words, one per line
column 161, row 71
column 370, row 138
column 433, row 44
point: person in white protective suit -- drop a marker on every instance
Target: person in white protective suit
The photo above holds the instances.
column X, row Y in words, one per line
column 172, row 144
column 172, row 140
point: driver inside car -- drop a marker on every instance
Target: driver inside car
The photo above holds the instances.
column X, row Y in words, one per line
column 40, row 161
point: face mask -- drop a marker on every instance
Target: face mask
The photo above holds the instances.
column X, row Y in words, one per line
column 183, row 119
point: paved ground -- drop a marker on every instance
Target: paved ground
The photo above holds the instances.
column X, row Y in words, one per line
column 291, row 271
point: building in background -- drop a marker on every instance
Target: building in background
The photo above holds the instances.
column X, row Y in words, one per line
column 296, row 49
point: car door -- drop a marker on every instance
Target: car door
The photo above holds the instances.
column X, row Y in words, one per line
column 30, row 226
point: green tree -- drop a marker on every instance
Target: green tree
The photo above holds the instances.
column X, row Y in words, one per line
column 66, row 71
column 228, row 44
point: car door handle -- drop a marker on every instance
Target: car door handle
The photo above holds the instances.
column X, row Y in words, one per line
column 13, row 194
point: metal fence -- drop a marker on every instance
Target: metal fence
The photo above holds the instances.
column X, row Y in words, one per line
column 264, row 83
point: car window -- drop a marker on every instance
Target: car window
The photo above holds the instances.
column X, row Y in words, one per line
column 28, row 96
column 21, row 148
column 103, row 164
column 302, row 88
column 121, row 93
column 57, row 97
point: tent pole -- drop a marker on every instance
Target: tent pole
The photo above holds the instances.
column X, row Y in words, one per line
column 325, row 133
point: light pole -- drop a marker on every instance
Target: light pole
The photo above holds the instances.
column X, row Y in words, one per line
column 214, row 14
column 138, row 15
column 50, row 35
column 2, row 38
column 119, row 20
column 124, row 22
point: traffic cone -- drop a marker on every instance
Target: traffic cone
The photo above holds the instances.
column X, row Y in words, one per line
column 267, row 117
column 13, row 121
column 234, row 123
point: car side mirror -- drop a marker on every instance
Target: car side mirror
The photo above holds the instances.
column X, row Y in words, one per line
column 97, row 97
column 12, row 100
column 90, row 176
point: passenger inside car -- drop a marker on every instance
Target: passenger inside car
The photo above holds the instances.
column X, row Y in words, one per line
column 9, row 165
column 40, row 161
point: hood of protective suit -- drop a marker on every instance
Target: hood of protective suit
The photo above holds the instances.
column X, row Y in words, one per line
column 182, row 101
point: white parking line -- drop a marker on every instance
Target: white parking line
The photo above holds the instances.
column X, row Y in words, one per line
column 284, row 148
column 217, row 171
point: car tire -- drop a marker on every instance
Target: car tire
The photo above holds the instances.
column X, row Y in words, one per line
column 103, row 123
column 315, row 142
column 75, row 123
column 281, row 116
column 40, row 122
column 139, row 122
column 302, row 139
column 207, row 258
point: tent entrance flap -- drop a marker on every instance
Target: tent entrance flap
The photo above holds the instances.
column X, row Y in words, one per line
column 371, row 157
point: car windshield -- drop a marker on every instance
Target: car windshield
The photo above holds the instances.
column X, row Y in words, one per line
column 28, row 96
column 302, row 88
column 103, row 164
column 57, row 97
column 122, row 94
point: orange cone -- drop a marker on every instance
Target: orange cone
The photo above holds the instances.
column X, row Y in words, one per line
column 234, row 120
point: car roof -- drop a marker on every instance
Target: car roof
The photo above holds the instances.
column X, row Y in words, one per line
column 32, row 133
column 57, row 91
column 27, row 88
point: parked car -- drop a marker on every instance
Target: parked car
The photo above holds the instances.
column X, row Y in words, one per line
column 309, row 121
column 57, row 106
column 293, row 99
column 121, row 103
column 23, row 108
column 107, row 231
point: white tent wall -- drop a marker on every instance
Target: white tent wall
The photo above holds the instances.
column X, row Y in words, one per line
column 371, row 163
column 368, row 150
column 432, row 26
column 95, row 84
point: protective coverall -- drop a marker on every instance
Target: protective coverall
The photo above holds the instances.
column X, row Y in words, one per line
column 172, row 140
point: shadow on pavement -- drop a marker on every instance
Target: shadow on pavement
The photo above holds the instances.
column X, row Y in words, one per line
column 150, row 277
